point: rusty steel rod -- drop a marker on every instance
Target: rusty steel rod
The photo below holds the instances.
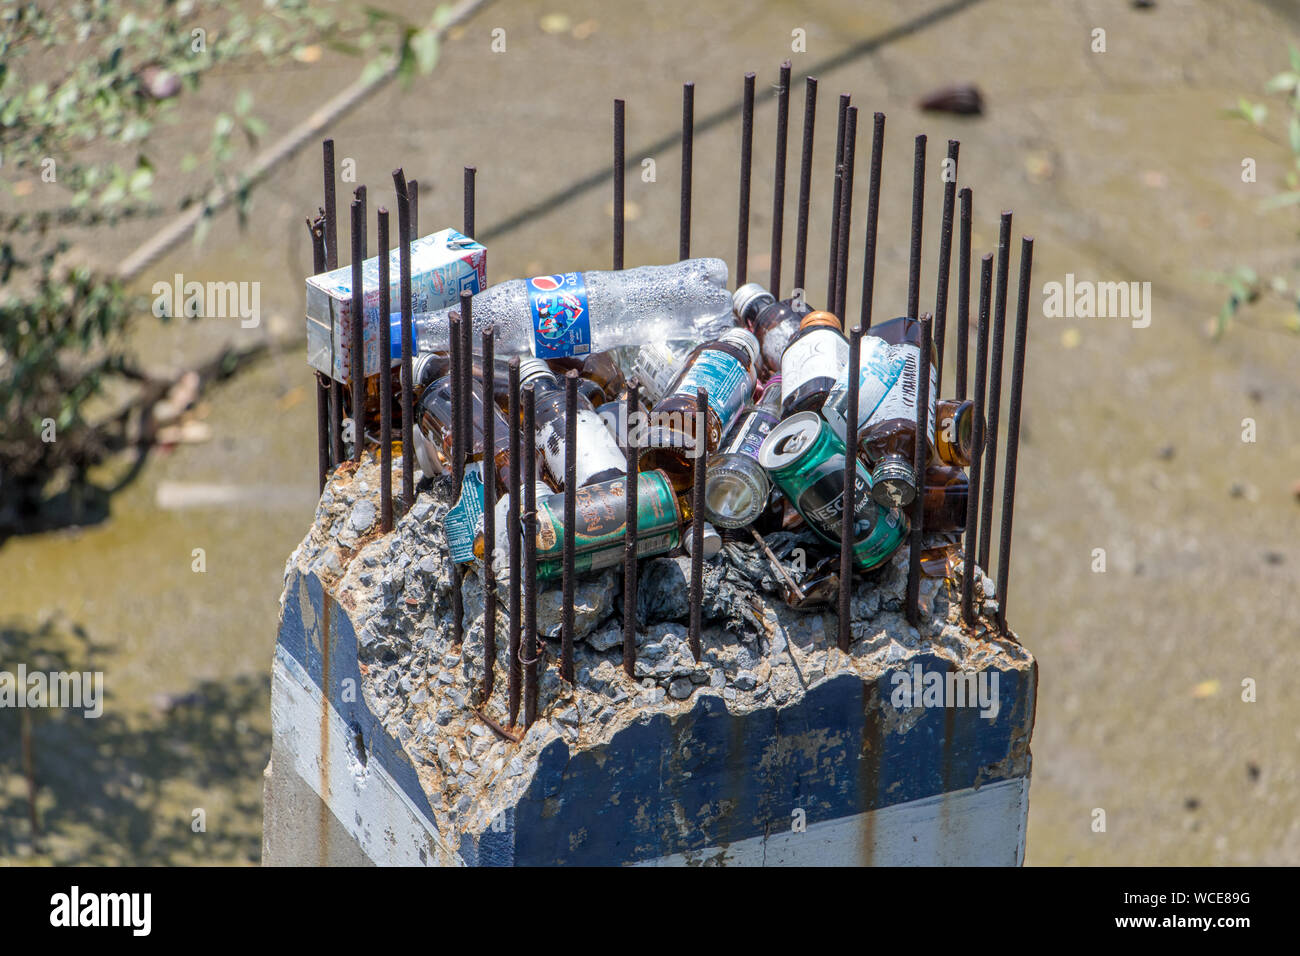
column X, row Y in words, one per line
column 317, row 231
column 467, row 372
column 920, row 453
column 688, row 150
column 489, row 516
column 918, row 210
column 805, row 181
column 413, row 189
column 357, row 359
column 945, row 261
column 385, row 378
column 458, row 435
column 697, row 523
column 332, row 263
column 963, row 294
column 619, row 176
column 331, row 211
column 846, row 214
column 848, row 505
column 994, row 400
column 530, row 650
column 746, row 179
column 517, row 477
column 833, row 257
column 873, row 220
column 1013, row 429
column 570, row 520
column 404, row 266
column 629, row 542
column 977, row 443
column 467, row 222
column 778, row 189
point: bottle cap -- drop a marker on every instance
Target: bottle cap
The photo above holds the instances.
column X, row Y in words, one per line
column 712, row 540
column 534, row 368
column 745, row 340
column 821, row 318
column 893, row 483
column 748, row 299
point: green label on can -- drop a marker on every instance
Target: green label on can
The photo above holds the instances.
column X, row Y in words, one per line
column 601, row 511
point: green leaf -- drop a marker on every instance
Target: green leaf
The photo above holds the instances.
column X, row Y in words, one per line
column 1280, row 201
column 425, row 45
column 243, row 102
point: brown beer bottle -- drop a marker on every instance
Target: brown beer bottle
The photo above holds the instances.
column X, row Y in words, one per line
column 773, row 323
column 887, row 442
column 814, row 358
column 946, row 492
column 601, row 378
column 726, row 369
column 952, row 433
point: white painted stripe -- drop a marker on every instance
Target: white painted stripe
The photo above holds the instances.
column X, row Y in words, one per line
column 367, row 802
column 984, row 827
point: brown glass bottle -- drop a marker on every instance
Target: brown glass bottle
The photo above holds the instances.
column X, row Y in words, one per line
column 813, row 361
column 598, row 457
column 433, row 437
column 601, row 378
column 952, row 432
column 946, row 492
column 773, row 323
column 887, row 442
column 726, row 369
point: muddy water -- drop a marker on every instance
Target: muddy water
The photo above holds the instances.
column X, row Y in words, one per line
column 1118, row 163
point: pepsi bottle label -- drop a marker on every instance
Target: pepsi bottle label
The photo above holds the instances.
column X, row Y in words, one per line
column 561, row 317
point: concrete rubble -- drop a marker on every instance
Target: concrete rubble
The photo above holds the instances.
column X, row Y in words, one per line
column 757, row 652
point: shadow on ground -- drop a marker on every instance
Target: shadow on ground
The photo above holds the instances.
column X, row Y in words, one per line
column 130, row 784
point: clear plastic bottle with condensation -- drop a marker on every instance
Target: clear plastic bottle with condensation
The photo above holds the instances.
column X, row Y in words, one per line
column 597, row 456
column 726, row 369
column 578, row 313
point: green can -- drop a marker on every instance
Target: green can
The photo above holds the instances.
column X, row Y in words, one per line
column 601, row 526
column 806, row 461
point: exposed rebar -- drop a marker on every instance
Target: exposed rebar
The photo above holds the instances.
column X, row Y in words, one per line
column 404, row 266
column 697, row 523
column 873, row 220
column 746, row 178
column 517, row 477
column 632, row 452
column 619, row 175
column 805, row 181
column 778, row 189
column 994, row 399
column 1013, row 429
column 833, row 257
column 357, row 359
column 385, row 378
column 970, row 548
column 945, row 261
column 848, row 504
column 413, row 189
column 963, row 294
column 570, row 520
column 489, row 516
column 688, row 150
column 918, row 210
column 920, row 453
column 530, row 556
column 467, row 222
column 846, row 214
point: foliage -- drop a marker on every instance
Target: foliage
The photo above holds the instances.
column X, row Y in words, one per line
column 86, row 87
column 1244, row 284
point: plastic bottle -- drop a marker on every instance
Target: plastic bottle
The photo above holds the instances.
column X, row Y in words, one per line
column 657, row 366
column 726, row 369
column 813, row 361
column 578, row 313
column 598, row 457
column 773, row 323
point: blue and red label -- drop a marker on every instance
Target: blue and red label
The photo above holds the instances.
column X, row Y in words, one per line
column 561, row 318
